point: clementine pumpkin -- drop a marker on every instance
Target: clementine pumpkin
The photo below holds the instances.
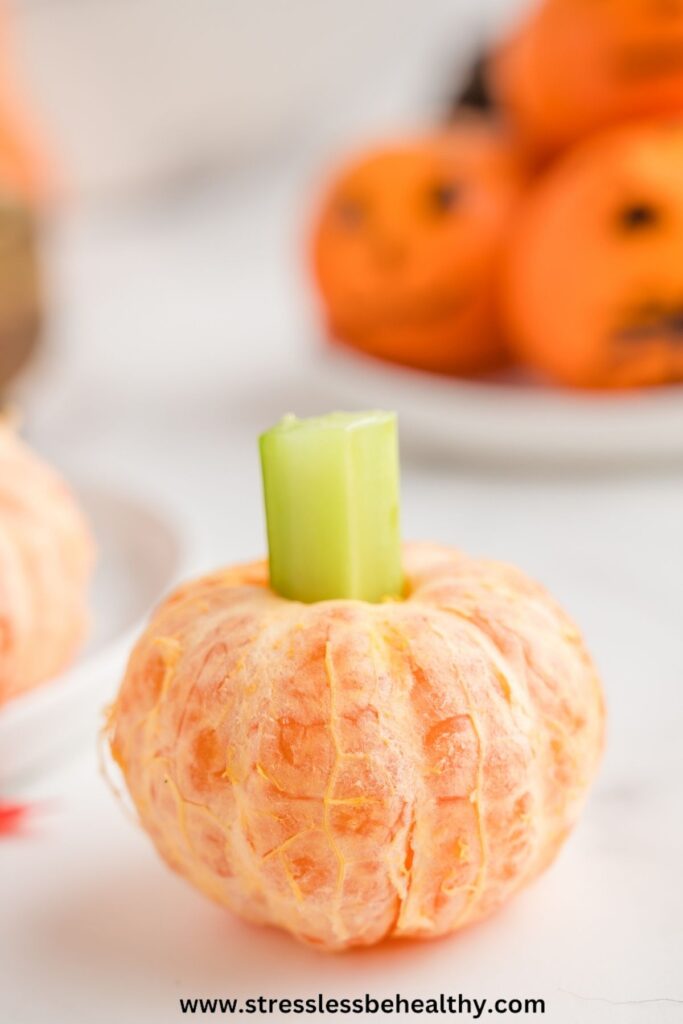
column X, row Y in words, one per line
column 46, row 555
column 392, row 743
column 406, row 248
column 576, row 66
column 592, row 291
column 351, row 771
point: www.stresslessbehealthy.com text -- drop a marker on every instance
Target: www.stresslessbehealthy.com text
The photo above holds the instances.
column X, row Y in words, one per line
column 441, row 1004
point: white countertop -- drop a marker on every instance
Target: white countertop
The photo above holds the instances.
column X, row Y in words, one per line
column 183, row 330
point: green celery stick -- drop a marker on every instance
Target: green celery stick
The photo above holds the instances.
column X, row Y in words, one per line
column 331, row 487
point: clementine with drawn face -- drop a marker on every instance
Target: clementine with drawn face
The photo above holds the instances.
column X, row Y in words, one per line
column 576, row 66
column 593, row 290
column 407, row 248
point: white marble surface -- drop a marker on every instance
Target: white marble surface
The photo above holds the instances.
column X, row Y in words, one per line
column 183, row 328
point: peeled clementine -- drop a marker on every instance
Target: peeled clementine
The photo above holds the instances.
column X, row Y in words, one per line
column 351, row 771
column 46, row 555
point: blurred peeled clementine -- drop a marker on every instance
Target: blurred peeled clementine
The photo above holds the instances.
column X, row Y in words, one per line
column 406, row 248
column 593, row 292
column 576, row 66
column 350, row 771
column 46, row 555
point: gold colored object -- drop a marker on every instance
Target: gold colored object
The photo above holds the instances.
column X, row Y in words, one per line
column 20, row 288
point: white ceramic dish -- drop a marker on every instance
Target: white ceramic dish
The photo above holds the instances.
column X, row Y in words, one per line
column 139, row 557
column 510, row 420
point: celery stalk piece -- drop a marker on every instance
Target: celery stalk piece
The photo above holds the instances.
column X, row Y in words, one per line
column 331, row 487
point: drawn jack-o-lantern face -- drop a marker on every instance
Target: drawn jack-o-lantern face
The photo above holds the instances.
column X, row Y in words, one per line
column 407, row 248
column 580, row 65
column 593, row 288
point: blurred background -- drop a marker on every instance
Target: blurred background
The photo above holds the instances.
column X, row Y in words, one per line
column 187, row 142
column 139, row 93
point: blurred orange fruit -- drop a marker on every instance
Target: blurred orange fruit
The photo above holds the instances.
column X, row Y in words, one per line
column 593, row 291
column 406, row 248
column 24, row 169
column 576, row 66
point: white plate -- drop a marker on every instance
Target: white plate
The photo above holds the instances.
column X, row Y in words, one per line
column 510, row 420
column 139, row 557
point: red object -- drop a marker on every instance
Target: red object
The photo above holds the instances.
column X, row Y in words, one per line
column 12, row 818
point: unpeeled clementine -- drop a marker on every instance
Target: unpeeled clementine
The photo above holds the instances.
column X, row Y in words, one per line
column 407, row 247
column 574, row 68
column 46, row 555
column 613, row 207
column 351, row 771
